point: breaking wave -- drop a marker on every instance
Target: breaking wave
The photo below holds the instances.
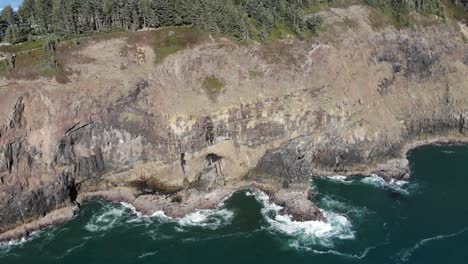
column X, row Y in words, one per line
column 160, row 215
column 337, row 226
column 339, row 179
column 112, row 215
column 5, row 247
column 373, row 180
column 211, row 219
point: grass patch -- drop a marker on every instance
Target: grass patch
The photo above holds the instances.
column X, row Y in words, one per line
column 379, row 20
column 170, row 46
column 33, row 61
column 23, row 47
column 34, row 64
column 325, row 5
column 213, row 87
column 130, row 117
column 456, row 12
column 4, row 67
column 171, row 40
column 281, row 31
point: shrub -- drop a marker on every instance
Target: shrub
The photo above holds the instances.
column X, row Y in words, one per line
column 314, row 23
column 213, row 87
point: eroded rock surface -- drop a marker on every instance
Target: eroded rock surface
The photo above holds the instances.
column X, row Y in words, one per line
column 346, row 103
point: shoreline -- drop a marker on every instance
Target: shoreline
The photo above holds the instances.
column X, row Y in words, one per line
column 147, row 205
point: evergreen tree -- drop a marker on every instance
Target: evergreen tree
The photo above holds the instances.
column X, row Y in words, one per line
column 8, row 15
column 26, row 12
column 239, row 18
column 42, row 10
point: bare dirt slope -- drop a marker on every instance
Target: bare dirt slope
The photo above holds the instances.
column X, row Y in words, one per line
column 219, row 116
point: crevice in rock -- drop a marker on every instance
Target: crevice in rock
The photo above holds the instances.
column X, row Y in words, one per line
column 461, row 125
column 9, row 158
column 212, row 158
column 183, row 162
column 12, row 155
column 73, row 191
column 76, row 127
column 209, row 131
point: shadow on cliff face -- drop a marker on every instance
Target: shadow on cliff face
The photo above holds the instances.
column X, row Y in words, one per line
column 154, row 186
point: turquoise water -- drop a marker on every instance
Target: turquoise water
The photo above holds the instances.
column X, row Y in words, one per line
column 424, row 221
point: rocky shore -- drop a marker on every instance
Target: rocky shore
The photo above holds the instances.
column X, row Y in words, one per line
column 295, row 200
column 352, row 101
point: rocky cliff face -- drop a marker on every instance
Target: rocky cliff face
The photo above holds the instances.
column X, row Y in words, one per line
column 349, row 102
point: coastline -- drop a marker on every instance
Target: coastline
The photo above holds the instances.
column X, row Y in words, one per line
column 291, row 199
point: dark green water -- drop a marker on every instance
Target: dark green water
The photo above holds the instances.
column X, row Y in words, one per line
column 424, row 221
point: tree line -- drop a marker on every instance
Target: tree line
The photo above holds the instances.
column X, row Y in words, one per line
column 243, row 19
column 67, row 17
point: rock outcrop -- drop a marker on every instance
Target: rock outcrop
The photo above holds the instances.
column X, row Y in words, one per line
column 349, row 102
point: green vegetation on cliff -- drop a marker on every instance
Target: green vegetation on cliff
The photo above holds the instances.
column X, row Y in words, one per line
column 39, row 24
column 213, row 87
column 243, row 19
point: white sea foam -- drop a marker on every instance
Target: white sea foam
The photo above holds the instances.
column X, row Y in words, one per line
column 140, row 216
column 321, row 233
column 148, row 254
column 331, row 203
column 406, row 254
column 73, row 249
column 375, row 180
column 339, row 179
column 211, row 219
column 249, row 193
column 5, row 247
column 106, row 220
column 449, row 152
column 341, row 254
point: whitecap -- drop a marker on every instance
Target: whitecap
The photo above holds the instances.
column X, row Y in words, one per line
column 406, row 255
column 249, row 193
column 396, row 185
column 160, row 215
column 321, row 233
column 339, row 179
column 449, row 152
column 212, row 219
column 148, row 254
column 399, row 186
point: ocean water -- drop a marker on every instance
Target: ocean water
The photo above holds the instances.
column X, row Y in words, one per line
column 422, row 221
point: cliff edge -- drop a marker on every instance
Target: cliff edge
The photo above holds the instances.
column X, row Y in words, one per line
column 219, row 116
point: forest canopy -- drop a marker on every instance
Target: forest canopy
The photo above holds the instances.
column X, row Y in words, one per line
column 243, row 19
